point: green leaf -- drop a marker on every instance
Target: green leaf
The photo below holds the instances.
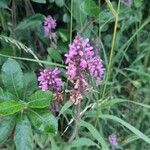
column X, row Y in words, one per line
column 65, row 107
column 54, row 54
column 43, row 121
column 6, row 127
column 130, row 139
column 53, row 143
column 12, row 77
column 3, row 95
column 64, row 34
column 95, row 134
column 83, row 142
column 127, row 125
column 110, row 103
column 79, row 15
column 30, row 22
column 40, row 99
column 30, row 83
column 59, row 3
column 137, row 3
column 66, row 18
column 10, row 107
column 40, row 1
column 23, row 135
column 90, row 8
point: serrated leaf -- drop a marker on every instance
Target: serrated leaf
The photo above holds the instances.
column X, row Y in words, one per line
column 40, row 99
column 40, row 1
column 44, row 121
column 6, row 127
column 10, row 107
column 95, row 134
column 12, row 77
column 90, row 8
column 31, row 21
column 23, row 136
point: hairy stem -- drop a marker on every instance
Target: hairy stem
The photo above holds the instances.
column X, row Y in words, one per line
column 75, row 130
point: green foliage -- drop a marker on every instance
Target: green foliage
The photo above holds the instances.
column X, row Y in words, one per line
column 44, row 121
column 95, row 134
column 30, row 22
column 23, row 134
column 20, row 98
column 10, row 107
column 12, row 77
column 34, row 119
column 83, row 142
column 40, row 99
column 6, row 127
column 40, row 1
column 90, row 8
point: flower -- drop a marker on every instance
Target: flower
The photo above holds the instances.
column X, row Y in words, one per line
column 81, row 59
column 113, row 139
column 49, row 26
column 96, row 68
column 49, row 79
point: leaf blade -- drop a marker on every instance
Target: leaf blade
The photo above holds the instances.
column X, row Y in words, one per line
column 12, row 77
column 127, row 125
column 6, row 126
column 10, row 107
column 23, row 135
column 40, row 99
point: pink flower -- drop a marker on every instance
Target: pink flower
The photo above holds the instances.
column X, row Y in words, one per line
column 113, row 139
column 49, row 26
column 81, row 59
column 49, row 79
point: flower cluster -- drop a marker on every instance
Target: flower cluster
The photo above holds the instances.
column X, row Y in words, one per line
column 49, row 79
column 113, row 139
column 49, row 26
column 80, row 60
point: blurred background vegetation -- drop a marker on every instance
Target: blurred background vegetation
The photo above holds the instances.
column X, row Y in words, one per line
column 21, row 27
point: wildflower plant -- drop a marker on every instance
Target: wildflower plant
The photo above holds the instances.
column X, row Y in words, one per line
column 81, row 60
column 44, row 106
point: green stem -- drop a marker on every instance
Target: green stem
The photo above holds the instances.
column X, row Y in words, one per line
column 109, row 69
column 71, row 20
column 111, row 52
column 33, row 60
